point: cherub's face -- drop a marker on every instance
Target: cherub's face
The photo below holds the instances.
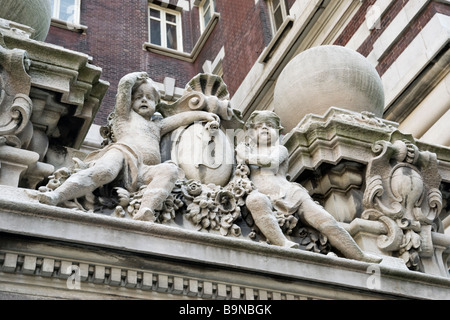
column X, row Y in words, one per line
column 143, row 100
column 266, row 132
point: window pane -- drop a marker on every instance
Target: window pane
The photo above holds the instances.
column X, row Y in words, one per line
column 154, row 13
column 278, row 15
column 275, row 4
column 67, row 10
column 171, row 18
column 207, row 16
column 155, row 32
column 171, row 36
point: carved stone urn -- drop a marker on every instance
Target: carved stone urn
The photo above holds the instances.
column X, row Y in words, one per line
column 33, row 13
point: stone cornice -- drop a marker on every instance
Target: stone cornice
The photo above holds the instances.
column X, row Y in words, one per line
column 156, row 242
column 66, row 72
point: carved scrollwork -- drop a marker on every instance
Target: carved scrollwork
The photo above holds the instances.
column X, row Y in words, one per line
column 402, row 192
column 15, row 105
column 16, row 118
column 393, row 240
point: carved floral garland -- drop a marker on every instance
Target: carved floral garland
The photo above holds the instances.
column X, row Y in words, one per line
column 209, row 208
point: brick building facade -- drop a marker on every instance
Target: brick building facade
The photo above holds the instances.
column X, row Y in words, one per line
column 241, row 37
column 387, row 189
column 117, row 31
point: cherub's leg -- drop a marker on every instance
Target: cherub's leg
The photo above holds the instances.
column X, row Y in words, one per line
column 81, row 183
column 317, row 217
column 161, row 180
column 261, row 209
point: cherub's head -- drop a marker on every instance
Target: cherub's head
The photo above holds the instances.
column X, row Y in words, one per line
column 145, row 97
column 264, row 127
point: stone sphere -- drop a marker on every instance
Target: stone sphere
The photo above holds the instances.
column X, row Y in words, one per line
column 324, row 77
column 33, row 13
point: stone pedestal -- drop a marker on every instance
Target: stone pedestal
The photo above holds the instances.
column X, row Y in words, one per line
column 358, row 166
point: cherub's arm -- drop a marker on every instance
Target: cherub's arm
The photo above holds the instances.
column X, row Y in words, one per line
column 124, row 92
column 249, row 155
column 185, row 118
column 242, row 153
column 276, row 158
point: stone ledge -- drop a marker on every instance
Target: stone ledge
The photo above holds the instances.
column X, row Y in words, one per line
column 216, row 252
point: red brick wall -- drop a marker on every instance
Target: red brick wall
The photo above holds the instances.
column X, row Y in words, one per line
column 241, row 32
column 408, row 34
column 385, row 21
column 118, row 29
column 114, row 38
column 357, row 20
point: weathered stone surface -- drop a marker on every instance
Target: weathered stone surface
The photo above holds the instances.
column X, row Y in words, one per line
column 324, row 77
column 34, row 13
column 50, row 97
column 90, row 240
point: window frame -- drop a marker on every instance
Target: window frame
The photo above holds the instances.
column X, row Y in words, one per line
column 163, row 28
column 272, row 11
column 202, row 11
column 56, row 11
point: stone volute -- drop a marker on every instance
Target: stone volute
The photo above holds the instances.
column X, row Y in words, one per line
column 33, row 13
column 326, row 76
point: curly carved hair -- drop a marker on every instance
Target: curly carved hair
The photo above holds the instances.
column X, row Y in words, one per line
column 262, row 116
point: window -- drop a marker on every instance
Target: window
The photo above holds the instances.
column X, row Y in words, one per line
column 66, row 10
column 207, row 9
column 277, row 10
column 165, row 28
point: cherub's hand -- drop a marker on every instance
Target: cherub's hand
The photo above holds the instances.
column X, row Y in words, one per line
column 243, row 152
column 131, row 78
column 212, row 117
column 264, row 160
column 141, row 75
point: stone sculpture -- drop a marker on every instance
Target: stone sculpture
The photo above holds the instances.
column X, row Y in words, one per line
column 268, row 161
column 134, row 156
column 403, row 193
column 128, row 178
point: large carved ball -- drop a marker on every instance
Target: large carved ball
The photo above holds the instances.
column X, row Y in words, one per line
column 33, row 13
column 324, row 77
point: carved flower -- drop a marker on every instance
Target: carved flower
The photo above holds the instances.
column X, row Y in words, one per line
column 287, row 222
column 312, row 240
column 225, row 201
column 194, row 188
column 242, row 170
column 227, row 225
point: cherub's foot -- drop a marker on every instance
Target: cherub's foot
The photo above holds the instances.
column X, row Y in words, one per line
column 291, row 244
column 145, row 214
column 50, row 198
column 367, row 257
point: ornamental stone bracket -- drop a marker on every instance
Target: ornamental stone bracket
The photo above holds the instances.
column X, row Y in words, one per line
column 386, row 188
column 402, row 191
column 48, row 99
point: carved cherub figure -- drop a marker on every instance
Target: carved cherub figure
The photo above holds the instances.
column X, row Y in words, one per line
column 268, row 162
column 134, row 156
